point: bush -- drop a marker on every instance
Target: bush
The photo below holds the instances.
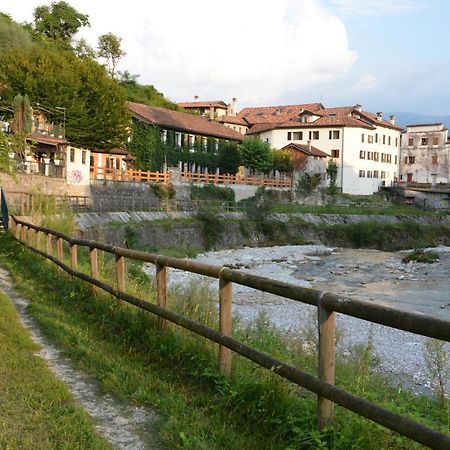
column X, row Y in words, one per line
column 212, row 192
column 420, row 255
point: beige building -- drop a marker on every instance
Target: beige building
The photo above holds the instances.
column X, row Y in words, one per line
column 425, row 154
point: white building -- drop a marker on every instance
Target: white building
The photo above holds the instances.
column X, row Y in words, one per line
column 425, row 154
column 365, row 146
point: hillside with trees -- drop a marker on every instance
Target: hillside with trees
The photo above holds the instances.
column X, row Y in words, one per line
column 66, row 78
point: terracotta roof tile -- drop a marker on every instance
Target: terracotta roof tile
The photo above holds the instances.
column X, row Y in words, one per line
column 232, row 119
column 184, row 122
column 313, row 151
column 207, row 104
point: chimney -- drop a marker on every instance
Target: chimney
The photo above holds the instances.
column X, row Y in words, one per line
column 309, row 146
column 195, row 98
column 379, row 116
column 358, row 107
column 392, row 119
column 233, row 106
column 211, row 113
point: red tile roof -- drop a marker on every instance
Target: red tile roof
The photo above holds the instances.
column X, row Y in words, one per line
column 113, row 151
column 207, row 104
column 346, row 116
column 312, row 151
column 232, row 119
column 183, row 122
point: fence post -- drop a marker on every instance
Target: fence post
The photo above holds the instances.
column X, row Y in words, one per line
column 48, row 242
column 74, row 256
column 93, row 257
column 23, row 236
column 120, row 273
column 327, row 336
column 18, row 230
column 59, row 252
column 38, row 240
column 225, row 302
column 161, row 289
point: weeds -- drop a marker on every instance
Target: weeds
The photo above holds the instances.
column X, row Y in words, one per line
column 422, row 256
column 436, row 358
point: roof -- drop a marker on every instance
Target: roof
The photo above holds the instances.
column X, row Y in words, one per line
column 309, row 150
column 181, row 121
column 46, row 139
column 345, row 116
column 232, row 119
column 426, row 125
column 112, row 151
column 207, row 104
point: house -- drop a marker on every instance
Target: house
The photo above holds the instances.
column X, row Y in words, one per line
column 364, row 145
column 185, row 133
column 109, row 162
column 425, row 154
column 219, row 111
column 306, row 158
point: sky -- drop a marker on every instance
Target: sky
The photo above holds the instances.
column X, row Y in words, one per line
column 388, row 55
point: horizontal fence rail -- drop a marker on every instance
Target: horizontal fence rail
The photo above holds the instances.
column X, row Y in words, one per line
column 326, row 303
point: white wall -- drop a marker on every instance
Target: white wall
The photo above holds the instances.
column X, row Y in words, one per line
column 77, row 172
column 349, row 145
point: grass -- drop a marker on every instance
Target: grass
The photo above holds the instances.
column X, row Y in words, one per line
column 177, row 372
column 36, row 410
column 422, row 256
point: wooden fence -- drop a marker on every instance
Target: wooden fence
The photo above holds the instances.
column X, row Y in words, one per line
column 327, row 305
column 234, row 179
column 103, row 173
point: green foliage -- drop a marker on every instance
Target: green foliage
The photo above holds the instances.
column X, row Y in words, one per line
column 22, row 115
column 436, row 359
column 58, row 22
column 83, row 50
column 282, row 161
column 5, row 148
column 307, row 183
column 95, row 105
column 332, row 171
column 422, row 256
column 256, row 154
column 212, row 192
column 213, row 226
column 12, row 35
column 163, row 191
column 146, row 94
column 229, row 158
column 109, row 48
column 131, row 237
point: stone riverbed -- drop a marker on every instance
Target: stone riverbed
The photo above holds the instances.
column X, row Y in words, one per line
column 365, row 274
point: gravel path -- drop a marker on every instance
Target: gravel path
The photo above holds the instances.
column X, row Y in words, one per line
column 366, row 274
column 125, row 427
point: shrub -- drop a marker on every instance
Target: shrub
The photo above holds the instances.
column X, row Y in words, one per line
column 420, row 255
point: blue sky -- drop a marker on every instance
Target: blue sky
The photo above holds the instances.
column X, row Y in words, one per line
column 405, row 46
column 388, row 55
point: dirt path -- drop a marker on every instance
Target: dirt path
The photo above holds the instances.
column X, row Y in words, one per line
column 125, row 427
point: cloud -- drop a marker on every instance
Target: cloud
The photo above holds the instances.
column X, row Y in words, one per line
column 254, row 49
column 378, row 7
column 366, row 82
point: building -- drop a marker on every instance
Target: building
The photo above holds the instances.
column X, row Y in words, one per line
column 219, row 111
column 186, row 133
column 364, row 145
column 425, row 154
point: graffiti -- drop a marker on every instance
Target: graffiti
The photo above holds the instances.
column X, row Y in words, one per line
column 76, row 176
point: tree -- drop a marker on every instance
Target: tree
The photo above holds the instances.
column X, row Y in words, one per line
column 83, row 50
column 256, row 154
column 109, row 49
column 332, row 171
column 58, row 22
column 282, row 161
column 229, row 158
column 12, row 35
column 5, row 148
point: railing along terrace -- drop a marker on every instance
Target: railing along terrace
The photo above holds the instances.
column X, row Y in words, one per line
column 109, row 174
column 327, row 305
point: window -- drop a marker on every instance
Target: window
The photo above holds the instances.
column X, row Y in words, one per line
column 370, row 155
column 410, row 142
column 289, row 136
column 383, row 157
column 117, row 163
column 389, row 140
column 375, row 173
column 369, row 174
column 376, row 156
column 436, row 141
column 362, row 154
column 362, row 137
column 396, row 142
column 383, row 175
column 411, row 159
column 406, row 160
column 313, row 135
column 362, row 174
column 434, row 159
column 164, row 136
column 297, row 135
column 335, row 153
column 376, row 138
column 72, row 155
column 396, row 159
column 424, row 141
column 333, row 134
column 370, row 139
column 389, row 158
column 83, row 157
column 384, row 139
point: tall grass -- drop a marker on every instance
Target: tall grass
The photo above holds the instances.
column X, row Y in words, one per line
column 177, row 372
